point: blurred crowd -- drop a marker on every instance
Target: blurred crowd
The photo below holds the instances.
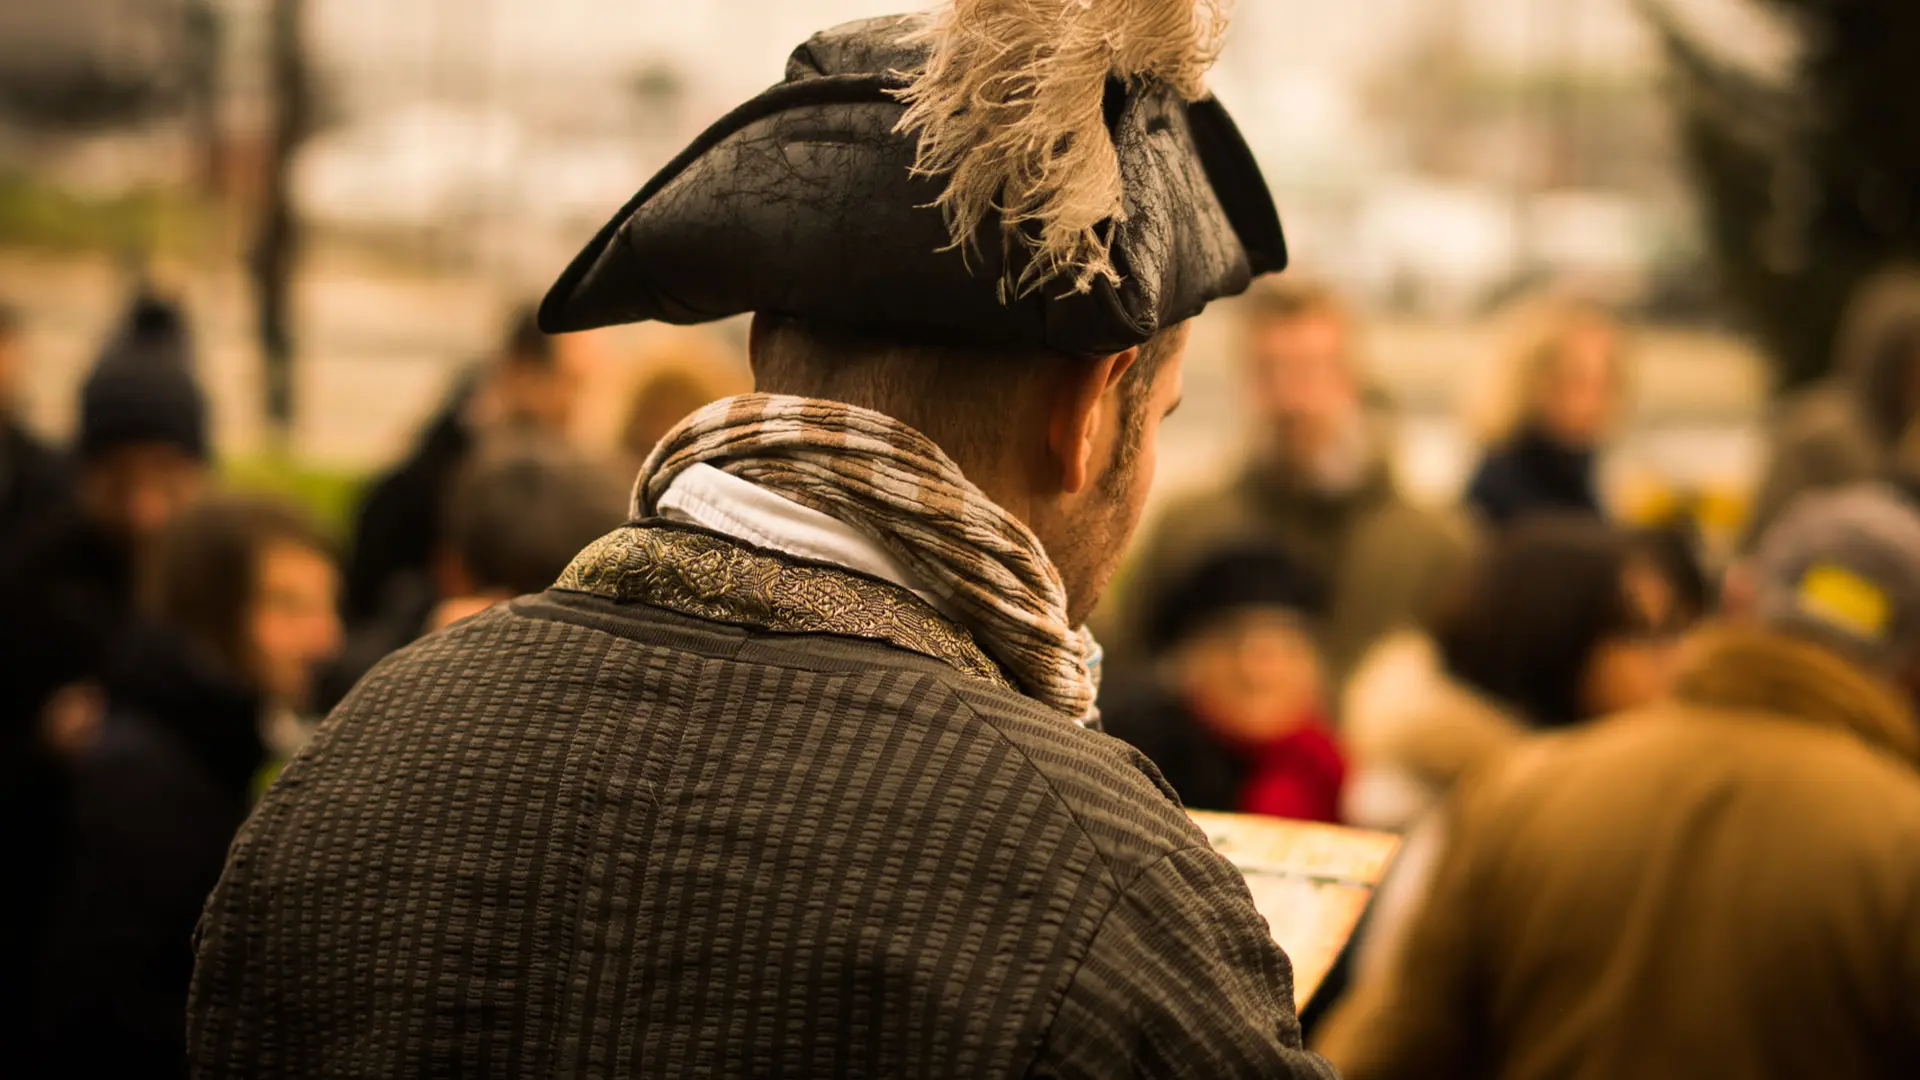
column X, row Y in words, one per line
column 169, row 641
column 1301, row 639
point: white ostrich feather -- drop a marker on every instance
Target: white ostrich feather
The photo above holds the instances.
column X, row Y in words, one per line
column 1009, row 109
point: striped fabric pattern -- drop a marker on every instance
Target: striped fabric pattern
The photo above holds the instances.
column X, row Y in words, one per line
column 897, row 486
column 575, row 838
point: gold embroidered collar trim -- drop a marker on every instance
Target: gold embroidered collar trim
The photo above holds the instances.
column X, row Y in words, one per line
column 707, row 576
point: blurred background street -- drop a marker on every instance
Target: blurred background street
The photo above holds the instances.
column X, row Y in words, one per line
column 1593, row 389
column 1434, row 157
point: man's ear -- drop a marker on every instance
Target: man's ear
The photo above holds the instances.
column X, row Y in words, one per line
column 1074, row 425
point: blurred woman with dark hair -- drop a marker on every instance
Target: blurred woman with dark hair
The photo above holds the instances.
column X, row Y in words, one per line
column 1561, row 620
column 239, row 606
column 1558, row 621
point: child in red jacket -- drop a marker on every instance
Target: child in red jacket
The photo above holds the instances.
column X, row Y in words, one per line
column 1233, row 712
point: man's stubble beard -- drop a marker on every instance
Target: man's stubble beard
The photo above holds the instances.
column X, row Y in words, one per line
column 1092, row 547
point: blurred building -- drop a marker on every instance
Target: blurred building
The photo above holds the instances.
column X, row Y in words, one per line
column 1434, row 155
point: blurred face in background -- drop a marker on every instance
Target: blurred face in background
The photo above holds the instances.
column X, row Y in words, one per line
column 1636, row 667
column 538, row 393
column 136, row 489
column 1578, row 397
column 1254, row 672
column 1303, row 389
column 292, row 626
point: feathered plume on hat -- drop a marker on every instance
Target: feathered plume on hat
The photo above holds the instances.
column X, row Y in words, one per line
column 1011, row 108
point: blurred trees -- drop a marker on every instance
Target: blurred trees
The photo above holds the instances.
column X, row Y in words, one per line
column 77, row 65
column 276, row 244
column 1809, row 182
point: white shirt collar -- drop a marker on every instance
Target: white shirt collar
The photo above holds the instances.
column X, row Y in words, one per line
column 705, row 496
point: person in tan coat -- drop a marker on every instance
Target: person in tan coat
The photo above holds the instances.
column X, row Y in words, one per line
column 1726, row 884
column 1318, row 485
column 1557, row 621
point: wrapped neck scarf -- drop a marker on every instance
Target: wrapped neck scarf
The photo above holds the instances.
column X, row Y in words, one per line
column 894, row 485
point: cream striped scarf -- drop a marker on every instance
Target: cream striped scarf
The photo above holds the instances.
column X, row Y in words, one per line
column 893, row 484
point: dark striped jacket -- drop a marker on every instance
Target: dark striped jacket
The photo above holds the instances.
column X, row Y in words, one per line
column 593, row 835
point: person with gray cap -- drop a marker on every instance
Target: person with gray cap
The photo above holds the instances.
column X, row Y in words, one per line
column 1724, row 884
column 798, row 773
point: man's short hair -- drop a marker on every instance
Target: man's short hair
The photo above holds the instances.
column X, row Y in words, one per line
column 523, row 508
column 958, row 396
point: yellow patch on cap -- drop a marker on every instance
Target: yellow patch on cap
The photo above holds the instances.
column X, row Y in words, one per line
column 1845, row 600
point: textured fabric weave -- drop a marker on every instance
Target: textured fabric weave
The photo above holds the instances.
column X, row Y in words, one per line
column 894, row 484
column 579, row 838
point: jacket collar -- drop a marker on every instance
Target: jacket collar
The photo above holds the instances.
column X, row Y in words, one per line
column 726, row 504
column 1562, row 472
column 707, row 575
column 1763, row 671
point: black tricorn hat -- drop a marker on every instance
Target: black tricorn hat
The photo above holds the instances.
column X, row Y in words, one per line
column 809, row 201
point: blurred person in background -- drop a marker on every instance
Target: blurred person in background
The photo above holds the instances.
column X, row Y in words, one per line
column 1555, row 622
column 1319, row 483
column 1847, row 428
column 530, row 386
column 1726, row 883
column 1236, row 714
column 143, row 455
column 677, row 377
column 1562, row 388
column 67, row 585
column 49, row 714
column 34, row 479
column 239, row 607
column 517, row 512
column 1559, row 621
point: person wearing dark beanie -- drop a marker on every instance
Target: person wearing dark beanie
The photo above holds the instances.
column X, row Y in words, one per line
column 67, row 586
column 142, row 453
column 1234, row 712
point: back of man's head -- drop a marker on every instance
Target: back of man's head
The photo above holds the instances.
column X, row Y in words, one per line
column 520, row 512
column 1842, row 568
column 1063, row 444
column 968, row 400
